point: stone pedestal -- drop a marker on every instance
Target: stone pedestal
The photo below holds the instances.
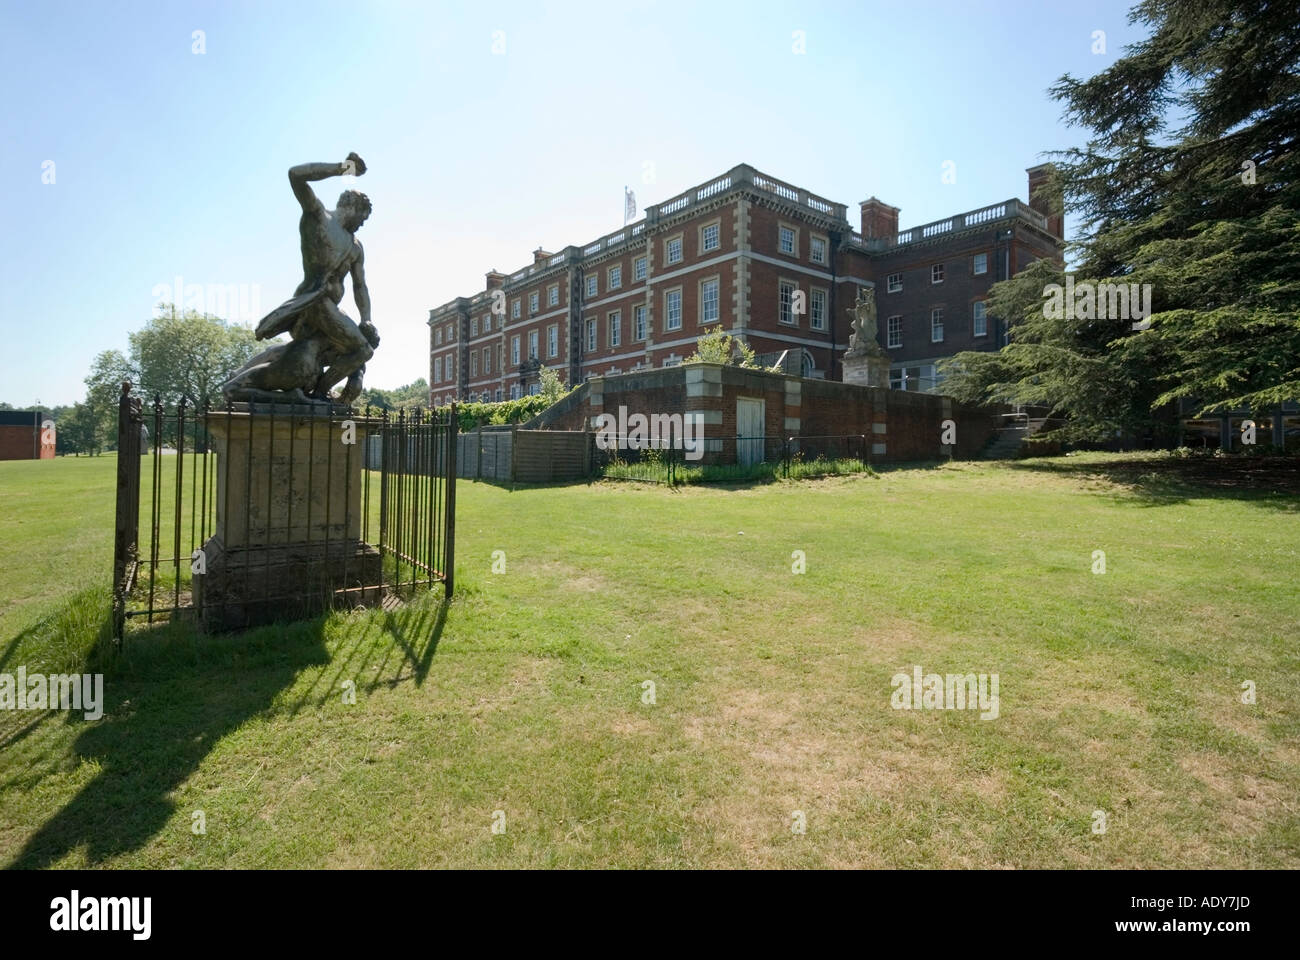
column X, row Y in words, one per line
column 868, row 369
column 287, row 542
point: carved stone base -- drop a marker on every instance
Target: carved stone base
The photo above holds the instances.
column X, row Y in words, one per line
column 288, row 537
column 866, row 369
column 246, row 587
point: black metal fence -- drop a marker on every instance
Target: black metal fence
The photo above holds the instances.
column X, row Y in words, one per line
column 251, row 513
column 727, row 459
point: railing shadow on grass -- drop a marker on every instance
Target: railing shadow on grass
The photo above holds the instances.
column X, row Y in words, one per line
column 171, row 697
column 1164, row 480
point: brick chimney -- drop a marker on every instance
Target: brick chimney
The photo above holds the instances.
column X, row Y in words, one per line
column 879, row 220
column 540, row 255
column 495, row 280
column 1045, row 199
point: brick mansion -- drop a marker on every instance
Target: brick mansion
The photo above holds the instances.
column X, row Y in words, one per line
column 773, row 264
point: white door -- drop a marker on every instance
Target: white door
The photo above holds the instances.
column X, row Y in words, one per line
column 749, row 431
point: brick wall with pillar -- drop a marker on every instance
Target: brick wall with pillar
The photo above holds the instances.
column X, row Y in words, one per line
column 704, row 398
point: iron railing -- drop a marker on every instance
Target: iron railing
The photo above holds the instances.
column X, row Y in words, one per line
column 263, row 512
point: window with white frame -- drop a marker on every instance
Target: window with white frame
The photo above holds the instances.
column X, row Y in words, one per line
column 710, row 237
column 936, row 273
column 498, row 395
column 673, row 309
column 532, row 303
column 593, row 282
column 936, row 325
column 516, row 309
column 473, row 363
column 895, row 283
column 553, row 295
column 534, row 389
column 451, row 332
column 817, row 308
column 437, row 369
column 487, row 323
column 786, row 314
column 591, row 335
column 638, row 268
column 552, row 341
column 437, row 337
column 638, row 322
column 979, row 320
column 980, row 264
column 532, row 344
column 709, row 301
column 615, row 278
column 673, row 250
column 514, row 350
column 514, row 391
column 817, row 249
column 473, row 326
column 894, row 331
column 616, row 328
column 786, row 240
column 487, row 360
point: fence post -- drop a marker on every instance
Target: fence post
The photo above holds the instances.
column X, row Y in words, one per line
column 862, row 455
column 785, row 456
column 514, row 453
column 453, row 429
column 478, row 471
column 385, row 440
column 672, row 457
column 126, row 532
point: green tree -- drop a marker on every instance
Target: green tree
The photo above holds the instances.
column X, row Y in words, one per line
column 715, row 346
column 79, row 431
column 1188, row 182
column 188, row 354
column 550, row 386
column 104, row 390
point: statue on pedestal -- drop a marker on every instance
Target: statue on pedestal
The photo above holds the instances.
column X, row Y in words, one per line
column 864, row 362
column 326, row 346
column 863, row 339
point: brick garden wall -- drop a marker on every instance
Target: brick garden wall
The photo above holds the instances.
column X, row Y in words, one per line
column 899, row 425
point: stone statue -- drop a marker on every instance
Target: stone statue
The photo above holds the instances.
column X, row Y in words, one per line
column 863, row 338
column 326, row 345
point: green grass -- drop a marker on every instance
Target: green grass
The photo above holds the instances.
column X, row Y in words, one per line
column 656, row 470
column 1119, row 692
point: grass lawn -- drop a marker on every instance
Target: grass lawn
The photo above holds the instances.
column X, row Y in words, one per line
column 1118, row 692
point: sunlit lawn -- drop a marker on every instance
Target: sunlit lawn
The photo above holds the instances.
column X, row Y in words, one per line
column 1120, row 692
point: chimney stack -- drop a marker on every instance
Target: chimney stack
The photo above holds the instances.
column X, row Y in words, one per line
column 1046, row 199
column 495, row 281
column 541, row 256
column 879, row 220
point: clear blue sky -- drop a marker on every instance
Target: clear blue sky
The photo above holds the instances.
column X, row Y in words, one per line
column 168, row 162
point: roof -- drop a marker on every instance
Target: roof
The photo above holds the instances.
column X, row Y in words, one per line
column 22, row 418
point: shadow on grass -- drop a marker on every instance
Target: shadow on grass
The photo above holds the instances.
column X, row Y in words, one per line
column 1161, row 480
column 173, row 694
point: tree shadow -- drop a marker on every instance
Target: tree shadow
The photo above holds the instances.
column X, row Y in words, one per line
column 169, row 699
column 1158, row 481
column 173, row 694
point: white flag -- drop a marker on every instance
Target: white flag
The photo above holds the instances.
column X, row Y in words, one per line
column 629, row 206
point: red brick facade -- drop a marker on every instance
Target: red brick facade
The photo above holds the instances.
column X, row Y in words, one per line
column 769, row 262
column 22, row 436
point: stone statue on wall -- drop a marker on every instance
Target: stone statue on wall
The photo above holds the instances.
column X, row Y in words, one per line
column 863, row 338
column 326, row 346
